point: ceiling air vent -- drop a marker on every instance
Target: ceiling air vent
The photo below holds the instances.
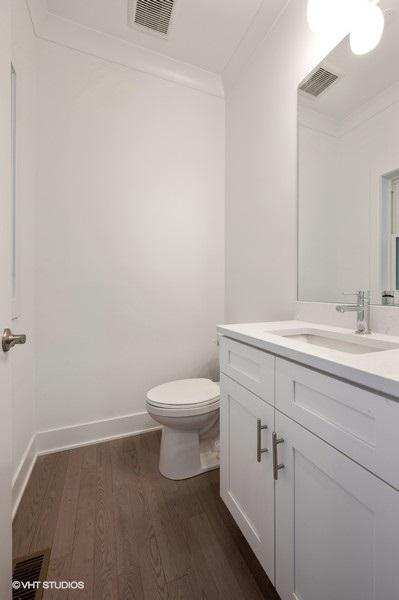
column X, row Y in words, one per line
column 151, row 14
column 317, row 83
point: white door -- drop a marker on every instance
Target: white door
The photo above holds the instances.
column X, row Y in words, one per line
column 337, row 525
column 5, row 298
column 247, row 485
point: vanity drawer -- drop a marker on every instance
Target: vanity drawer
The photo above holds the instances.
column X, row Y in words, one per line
column 252, row 368
column 359, row 423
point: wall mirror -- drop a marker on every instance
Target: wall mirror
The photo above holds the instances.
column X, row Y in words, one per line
column 348, row 174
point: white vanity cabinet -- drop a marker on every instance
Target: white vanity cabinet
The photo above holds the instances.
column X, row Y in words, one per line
column 325, row 526
column 247, row 485
column 337, row 525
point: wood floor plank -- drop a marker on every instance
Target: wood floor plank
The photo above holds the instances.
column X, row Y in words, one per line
column 61, row 553
column 221, row 522
column 26, row 519
column 46, row 523
column 216, row 561
column 152, row 572
column 200, row 577
column 182, row 589
column 105, row 573
column 124, row 467
column 130, row 534
column 82, row 560
column 172, row 545
column 149, row 555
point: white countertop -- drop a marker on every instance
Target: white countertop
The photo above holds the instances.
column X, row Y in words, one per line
column 375, row 370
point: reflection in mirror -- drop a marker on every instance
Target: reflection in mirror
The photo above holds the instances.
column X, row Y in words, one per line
column 348, row 174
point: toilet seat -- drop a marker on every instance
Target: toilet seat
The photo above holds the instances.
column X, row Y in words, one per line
column 185, row 394
column 182, row 411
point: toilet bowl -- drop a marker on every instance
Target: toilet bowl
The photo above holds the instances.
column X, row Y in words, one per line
column 189, row 412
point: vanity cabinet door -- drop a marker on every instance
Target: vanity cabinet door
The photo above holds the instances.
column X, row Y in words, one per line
column 337, row 525
column 247, row 485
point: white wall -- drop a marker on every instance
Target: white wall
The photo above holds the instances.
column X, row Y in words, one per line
column 24, row 57
column 130, row 222
column 261, row 170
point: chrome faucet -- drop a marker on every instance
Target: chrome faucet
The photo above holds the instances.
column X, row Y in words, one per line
column 362, row 308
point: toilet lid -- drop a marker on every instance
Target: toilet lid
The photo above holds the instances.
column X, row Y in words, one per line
column 185, row 392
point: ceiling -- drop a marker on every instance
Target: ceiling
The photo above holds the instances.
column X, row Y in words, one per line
column 205, row 33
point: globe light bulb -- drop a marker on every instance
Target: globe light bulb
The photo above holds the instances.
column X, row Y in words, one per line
column 363, row 19
column 325, row 15
column 367, row 31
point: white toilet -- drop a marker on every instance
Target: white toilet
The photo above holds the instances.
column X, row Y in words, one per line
column 189, row 412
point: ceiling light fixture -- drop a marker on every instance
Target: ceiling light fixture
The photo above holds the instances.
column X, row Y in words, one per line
column 366, row 32
column 363, row 19
column 325, row 15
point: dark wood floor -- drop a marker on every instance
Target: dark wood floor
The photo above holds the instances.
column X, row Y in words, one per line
column 112, row 521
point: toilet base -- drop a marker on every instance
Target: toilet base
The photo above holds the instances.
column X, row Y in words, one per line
column 185, row 454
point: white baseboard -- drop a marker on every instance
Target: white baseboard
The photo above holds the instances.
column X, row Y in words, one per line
column 73, row 436
column 23, row 473
column 62, row 438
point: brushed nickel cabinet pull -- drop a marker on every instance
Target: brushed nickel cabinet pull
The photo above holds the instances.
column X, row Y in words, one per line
column 276, row 466
column 259, row 449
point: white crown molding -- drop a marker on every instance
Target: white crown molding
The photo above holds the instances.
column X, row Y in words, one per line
column 52, row 28
column 311, row 119
column 383, row 101
column 339, row 128
column 262, row 24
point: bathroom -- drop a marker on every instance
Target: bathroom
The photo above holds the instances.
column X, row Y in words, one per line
column 192, row 408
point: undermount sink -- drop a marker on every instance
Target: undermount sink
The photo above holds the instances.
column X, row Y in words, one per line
column 349, row 343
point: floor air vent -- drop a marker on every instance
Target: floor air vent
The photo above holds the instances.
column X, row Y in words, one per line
column 27, row 571
column 317, row 83
column 151, row 14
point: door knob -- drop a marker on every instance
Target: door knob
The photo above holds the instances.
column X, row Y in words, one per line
column 10, row 339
